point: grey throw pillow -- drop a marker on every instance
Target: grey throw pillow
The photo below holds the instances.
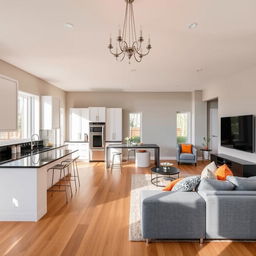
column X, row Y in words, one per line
column 247, row 184
column 215, row 185
column 187, row 184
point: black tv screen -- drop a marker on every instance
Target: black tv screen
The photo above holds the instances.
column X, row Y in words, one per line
column 237, row 132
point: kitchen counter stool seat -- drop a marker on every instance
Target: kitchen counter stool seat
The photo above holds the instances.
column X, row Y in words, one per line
column 75, row 176
column 62, row 167
column 115, row 155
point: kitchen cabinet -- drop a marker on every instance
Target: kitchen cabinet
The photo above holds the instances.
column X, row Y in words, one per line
column 97, row 114
column 78, row 124
column 50, row 113
column 82, row 147
column 8, row 103
column 114, row 124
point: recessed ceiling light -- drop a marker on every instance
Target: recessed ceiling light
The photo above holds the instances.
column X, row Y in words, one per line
column 192, row 25
column 69, row 25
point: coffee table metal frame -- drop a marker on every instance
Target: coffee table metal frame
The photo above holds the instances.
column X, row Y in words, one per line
column 155, row 180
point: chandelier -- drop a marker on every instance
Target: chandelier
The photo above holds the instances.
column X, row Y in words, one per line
column 127, row 42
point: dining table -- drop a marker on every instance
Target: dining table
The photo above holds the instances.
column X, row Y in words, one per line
column 127, row 146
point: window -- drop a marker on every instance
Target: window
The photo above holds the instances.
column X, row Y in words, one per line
column 183, row 128
column 28, row 118
column 135, row 127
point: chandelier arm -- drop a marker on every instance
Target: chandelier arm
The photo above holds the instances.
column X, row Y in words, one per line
column 122, row 57
column 125, row 46
column 142, row 54
column 138, row 60
column 115, row 53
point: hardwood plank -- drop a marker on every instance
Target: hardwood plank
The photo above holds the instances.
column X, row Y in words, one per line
column 96, row 222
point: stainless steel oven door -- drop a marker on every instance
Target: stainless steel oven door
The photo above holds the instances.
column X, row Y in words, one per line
column 97, row 140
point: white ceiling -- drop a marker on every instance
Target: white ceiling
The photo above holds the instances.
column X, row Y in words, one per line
column 34, row 38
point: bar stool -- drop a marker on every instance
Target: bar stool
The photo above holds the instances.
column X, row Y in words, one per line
column 62, row 170
column 75, row 175
column 117, row 154
column 129, row 152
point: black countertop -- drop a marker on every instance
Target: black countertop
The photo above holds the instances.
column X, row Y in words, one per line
column 4, row 158
column 133, row 146
column 38, row 160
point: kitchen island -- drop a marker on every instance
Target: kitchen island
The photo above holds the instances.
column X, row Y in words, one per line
column 24, row 184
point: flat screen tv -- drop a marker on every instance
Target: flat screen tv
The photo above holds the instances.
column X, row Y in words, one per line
column 237, row 132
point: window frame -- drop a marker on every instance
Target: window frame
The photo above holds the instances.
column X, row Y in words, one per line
column 32, row 116
column 140, row 120
column 189, row 126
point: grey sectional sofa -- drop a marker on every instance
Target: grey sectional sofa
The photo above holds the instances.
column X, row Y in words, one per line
column 198, row 215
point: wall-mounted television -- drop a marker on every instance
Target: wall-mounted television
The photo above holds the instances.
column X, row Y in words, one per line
column 237, row 132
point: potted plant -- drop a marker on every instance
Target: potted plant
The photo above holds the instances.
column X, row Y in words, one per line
column 127, row 140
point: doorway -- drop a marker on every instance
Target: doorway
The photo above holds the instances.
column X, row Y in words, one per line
column 213, row 124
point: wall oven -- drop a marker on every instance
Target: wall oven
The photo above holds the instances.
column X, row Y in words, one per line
column 97, row 142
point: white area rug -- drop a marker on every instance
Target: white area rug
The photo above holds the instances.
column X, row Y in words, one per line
column 139, row 182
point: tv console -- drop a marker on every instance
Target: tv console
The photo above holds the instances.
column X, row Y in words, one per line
column 238, row 166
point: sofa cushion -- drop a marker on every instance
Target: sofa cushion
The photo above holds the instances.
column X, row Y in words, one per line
column 222, row 172
column 187, row 184
column 172, row 184
column 172, row 215
column 211, row 167
column 215, row 185
column 185, row 156
column 207, row 174
column 248, row 184
column 186, row 148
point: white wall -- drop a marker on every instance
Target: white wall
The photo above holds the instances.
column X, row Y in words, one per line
column 199, row 118
column 31, row 84
column 158, row 113
column 237, row 96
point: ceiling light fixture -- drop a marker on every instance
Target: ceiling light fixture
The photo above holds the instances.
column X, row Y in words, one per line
column 127, row 42
column 69, row 25
column 192, row 25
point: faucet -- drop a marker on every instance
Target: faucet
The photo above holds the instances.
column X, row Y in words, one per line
column 32, row 136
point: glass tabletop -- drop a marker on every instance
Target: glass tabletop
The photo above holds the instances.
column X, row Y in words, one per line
column 170, row 170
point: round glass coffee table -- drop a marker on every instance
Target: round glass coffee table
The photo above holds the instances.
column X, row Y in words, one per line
column 163, row 173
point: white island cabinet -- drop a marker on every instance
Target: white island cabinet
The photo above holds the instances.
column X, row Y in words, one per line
column 8, row 103
column 24, row 184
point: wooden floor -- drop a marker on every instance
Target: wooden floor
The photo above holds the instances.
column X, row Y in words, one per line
column 95, row 222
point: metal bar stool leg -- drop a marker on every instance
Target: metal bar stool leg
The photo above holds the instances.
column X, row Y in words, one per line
column 77, row 172
column 74, row 174
column 52, row 180
column 113, row 160
column 69, row 181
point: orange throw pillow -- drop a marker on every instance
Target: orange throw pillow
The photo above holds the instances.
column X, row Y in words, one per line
column 172, row 184
column 186, row 148
column 222, row 172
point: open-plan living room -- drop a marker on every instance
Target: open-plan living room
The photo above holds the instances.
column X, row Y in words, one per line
column 127, row 128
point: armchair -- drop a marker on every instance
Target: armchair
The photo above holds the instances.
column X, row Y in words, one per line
column 186, row 157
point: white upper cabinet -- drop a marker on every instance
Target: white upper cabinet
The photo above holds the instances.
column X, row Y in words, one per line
column 79, row 124
column 50, row 113
column 8, row 103
column 114, row 124
column 97, row 114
